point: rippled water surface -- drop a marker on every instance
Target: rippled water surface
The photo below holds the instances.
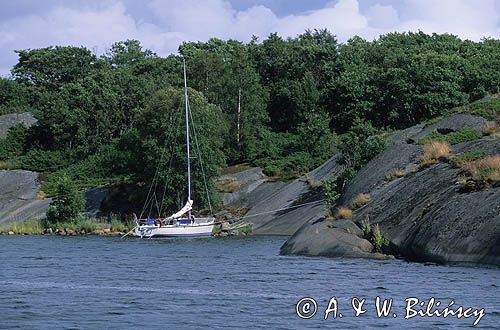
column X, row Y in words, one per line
column 112, row 283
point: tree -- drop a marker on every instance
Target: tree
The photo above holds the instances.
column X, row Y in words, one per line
column 52, row 67
column 160, row 145
column 67, row 203
column 224, row 72
column 14, row 97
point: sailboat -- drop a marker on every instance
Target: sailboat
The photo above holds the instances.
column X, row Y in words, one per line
column 181, row 223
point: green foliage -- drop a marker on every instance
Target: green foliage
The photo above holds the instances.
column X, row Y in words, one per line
column 45, row 160
column 106, row 167
column 52, row 67
column 67, row 203
column 290, row 165
column 9, row 165
column 463, row 135
column 14, row 97
column 225, row 73
column 472, row 155
column 30, row 227
column 279, row 104
column 361, row 144
column 489, row 109
column 375, row 236
column 160, row 143
column 286, row 154
column 77, row 224
column 14, row 143
column 380, row 243
column 332, row 191
column 334, row 185
column 117, row 225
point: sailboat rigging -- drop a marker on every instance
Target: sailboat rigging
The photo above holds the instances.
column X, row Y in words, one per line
column 178, row 224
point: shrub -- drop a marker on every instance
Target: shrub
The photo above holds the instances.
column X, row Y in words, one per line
column 45, row 160
column 433, row 151
column 67, row 203
column 332, row 191
column 362, row 143
column 360, row 200
column 366, row 228
column 293, row 164
column 374, row 235
column 96, row 170
column 487, row 109
column 380, row 243
column 14, row 143
column 343, row 213
column 463, row 135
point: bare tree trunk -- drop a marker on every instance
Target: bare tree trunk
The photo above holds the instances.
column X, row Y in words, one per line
column 238, row 119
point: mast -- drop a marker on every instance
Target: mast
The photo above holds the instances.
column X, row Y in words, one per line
column 187, row 134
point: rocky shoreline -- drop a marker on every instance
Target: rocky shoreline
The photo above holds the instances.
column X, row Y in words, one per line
column 426, row 212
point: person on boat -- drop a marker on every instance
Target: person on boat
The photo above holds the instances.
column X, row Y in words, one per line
column 159, row 221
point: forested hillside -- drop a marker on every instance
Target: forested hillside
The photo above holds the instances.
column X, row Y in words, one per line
column 283, row 104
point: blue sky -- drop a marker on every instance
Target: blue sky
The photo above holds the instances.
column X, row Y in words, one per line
column 161, row 25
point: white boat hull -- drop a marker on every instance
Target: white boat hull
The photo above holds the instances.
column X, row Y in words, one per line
column 201, row 227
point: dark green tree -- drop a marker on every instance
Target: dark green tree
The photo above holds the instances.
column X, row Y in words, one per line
column 160, row 146
column 67, row 203
column 52, row 67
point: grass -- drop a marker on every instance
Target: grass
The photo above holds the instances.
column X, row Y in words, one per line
column 394, row 174
column 360, row 200
column 492, row 129
column 235, row 168
column 434, row 151
column 227, row 185
column 31, row 227
column 343, row 212
column 463, row 135
column 468, row 156
column 484, row 171
column 81, row 224
column 118, row 226
column 9, row 165
column 314, row 184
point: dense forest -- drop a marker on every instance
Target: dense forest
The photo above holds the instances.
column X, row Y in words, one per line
column 286, row 105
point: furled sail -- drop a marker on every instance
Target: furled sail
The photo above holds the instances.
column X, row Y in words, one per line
column 188, row 207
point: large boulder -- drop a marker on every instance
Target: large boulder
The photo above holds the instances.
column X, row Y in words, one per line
column 12, row 119
column 425, row 214
column 280, row 208
column 325, row 238
column 20, row 196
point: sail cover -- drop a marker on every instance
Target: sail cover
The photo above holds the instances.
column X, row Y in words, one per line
column 188, row 207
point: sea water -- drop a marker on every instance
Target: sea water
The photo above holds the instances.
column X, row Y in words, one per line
column 51, row 282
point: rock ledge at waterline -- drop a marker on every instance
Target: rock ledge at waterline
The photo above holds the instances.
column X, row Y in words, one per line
column 424, row 214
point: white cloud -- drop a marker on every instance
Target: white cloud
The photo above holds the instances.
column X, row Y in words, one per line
column 468, row 19
column 383, row 16
column 176, row 21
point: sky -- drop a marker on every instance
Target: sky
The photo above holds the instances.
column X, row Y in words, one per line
column 161, row 25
